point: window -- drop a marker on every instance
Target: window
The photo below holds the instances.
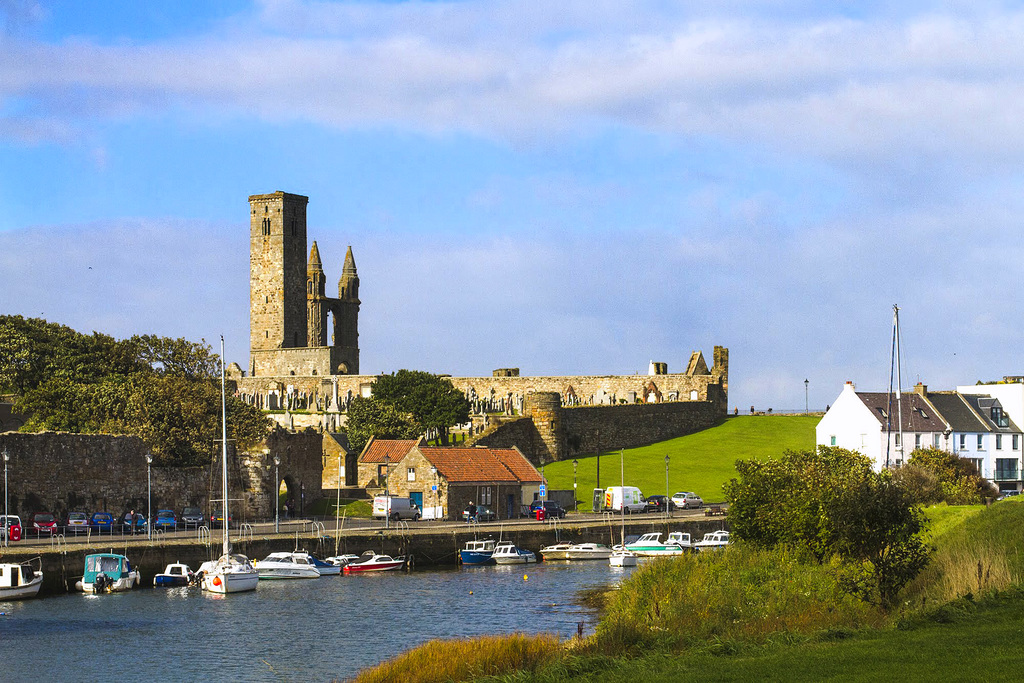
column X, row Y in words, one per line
column 833, row 440
column 981, row 444
column 999, row 442
column 410, row 474
column 963, row 441
column 1006, row 469
column 898, row 444
column 917, row 441
column 485, row 495
column 999, row 418
column 1016, row 442
column 935, row 440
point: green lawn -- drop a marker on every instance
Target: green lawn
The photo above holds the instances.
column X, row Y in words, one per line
column 982, row 646
column 699, row 462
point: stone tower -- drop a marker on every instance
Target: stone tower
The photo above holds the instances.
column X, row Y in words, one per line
column 277, row 277
column 288, row 304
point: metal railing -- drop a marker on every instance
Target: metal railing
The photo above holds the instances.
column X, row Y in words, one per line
column 245, row 532
column 203, row 534
column 318, row 530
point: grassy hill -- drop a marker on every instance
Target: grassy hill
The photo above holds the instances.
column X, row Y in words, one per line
column 699, row 462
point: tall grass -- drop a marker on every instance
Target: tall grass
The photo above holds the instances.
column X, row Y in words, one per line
column 740, row 594
column 439, row 661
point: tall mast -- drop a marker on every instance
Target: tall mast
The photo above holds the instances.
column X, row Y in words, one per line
column 622, row 489
column 899, row 379
column 224, row 444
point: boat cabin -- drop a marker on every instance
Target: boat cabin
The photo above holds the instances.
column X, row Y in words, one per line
column 114, row 566
column 15, row 575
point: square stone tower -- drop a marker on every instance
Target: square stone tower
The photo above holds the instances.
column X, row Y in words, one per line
column 277, row 271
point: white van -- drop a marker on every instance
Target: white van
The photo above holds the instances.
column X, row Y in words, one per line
column 395, row 508
column 618, row 497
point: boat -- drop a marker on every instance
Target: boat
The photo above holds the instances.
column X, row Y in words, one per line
column 286, row 566
column 576, row 551
column 477, row 553
column 622, row 558
column 324, row 567
column 19, row 581
column 713, row 541
column 340, row 561
column 650, row 545
column 372, row 562
column 558, row 551
column 174, row 574
column 107, row 573
column 231, row 572
column 508, row 553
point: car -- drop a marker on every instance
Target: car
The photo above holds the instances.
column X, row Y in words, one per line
column 133, row 526
column 165, row 520
column 551, row 508
column 656, row 503
column 10, row 527
column 192, row 517
column 42, row 524
column 76, row 522
column 483, row 514
column 687, row 499
column 102, row 521
column 217, row 519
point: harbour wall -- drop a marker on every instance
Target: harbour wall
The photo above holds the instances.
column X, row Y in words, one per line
column 427, row 548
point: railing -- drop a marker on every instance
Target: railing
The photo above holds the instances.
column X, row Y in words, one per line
column 318, row 530
column 58, row 543
column 1007, row 474
column 203, row 534
column 245, row 531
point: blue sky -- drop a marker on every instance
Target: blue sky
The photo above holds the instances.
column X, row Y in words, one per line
column 571, row 187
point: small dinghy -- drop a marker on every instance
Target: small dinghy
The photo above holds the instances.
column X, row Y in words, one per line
column 174, row 575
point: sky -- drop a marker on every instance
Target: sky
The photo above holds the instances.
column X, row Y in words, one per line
column 567, row 187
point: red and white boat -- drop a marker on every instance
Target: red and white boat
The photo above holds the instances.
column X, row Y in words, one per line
column 372, row 562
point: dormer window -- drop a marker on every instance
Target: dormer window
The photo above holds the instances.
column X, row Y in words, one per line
column 999, row 417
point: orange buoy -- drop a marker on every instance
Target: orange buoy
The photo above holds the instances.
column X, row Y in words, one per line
column 216, row 581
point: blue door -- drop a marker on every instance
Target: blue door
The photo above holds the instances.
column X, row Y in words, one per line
column 417, row 498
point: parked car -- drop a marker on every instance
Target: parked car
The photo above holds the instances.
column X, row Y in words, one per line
column 483, row 514
column 217, row 519
column 133, row 524
column 165, row 520
column 10, row 527
column 76, row 522
column 656, row 503
column 192, row 517
column 42, row 524
column 687, row 500
column 102, row 521
column 551, row 508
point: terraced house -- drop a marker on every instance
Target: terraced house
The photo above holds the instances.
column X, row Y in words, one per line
column 973, row 425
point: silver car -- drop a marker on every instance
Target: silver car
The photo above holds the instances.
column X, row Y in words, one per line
column 687, row 500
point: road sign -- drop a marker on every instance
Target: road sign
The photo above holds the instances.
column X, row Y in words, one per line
column 434, row 487
column 543, row 490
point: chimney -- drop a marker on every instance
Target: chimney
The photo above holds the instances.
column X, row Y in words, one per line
column 921, row 389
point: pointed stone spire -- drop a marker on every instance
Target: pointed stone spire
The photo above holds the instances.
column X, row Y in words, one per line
column 314, row 257
column 350, row 263
column 348, row 285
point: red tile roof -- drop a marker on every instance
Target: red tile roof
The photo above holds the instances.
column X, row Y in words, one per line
column 394, row 449
column 481, row 464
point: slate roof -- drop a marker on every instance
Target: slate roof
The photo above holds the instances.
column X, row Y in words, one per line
column 459, row 465
column 983, row 404
column 918, row 416
column 394, row 449
column 957, row 412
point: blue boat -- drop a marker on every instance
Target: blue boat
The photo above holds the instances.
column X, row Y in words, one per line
column 478, row 553
column 174, row 575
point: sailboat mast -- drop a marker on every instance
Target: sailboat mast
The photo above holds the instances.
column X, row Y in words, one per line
column 899, row 380
column 224, row 444
column 622, row 488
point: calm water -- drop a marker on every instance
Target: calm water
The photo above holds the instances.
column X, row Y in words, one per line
column 314, row 629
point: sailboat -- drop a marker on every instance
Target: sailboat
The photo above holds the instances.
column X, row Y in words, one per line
column 621, row 555
column 231, row 572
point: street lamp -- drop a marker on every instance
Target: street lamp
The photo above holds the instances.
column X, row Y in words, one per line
column 807, row 383
column 277, row 497
column 7, row 527
column 575, row 465
column 668, row 501
column 149, row 504
column 387, row 495
column 437, row 494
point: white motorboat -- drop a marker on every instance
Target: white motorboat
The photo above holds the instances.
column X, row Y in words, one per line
column 287, row 566
column 372, row 562
column 650, row 545
column 558, row 551
column 713, row 541
column 107, row 573
column 622, row 558
column 508, row 553
column 340, row 561
column 231, row 572
column 19, row 581
column 324, row 567
column 576, row 551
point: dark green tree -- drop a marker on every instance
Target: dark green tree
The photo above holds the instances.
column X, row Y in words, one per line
column 959, row 479
column 371, row 417
column 432, row 401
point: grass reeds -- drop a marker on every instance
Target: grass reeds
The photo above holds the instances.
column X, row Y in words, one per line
column 439, row 661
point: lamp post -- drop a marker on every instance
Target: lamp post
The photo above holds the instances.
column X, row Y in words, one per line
column 807, row 383
column 575, row 502
column 387, row 495
column 437, row 494
column 668, row 501
column 277, row 496
column 149, row 503
column 7, row 527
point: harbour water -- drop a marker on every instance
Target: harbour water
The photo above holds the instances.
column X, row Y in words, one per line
column 314, row 629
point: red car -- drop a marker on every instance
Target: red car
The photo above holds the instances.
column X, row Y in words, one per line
column 42, row 523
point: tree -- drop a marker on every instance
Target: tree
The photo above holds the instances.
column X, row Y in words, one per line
column 959, row 479
column 177, row 357
column 370, row 417
column 432, row 401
